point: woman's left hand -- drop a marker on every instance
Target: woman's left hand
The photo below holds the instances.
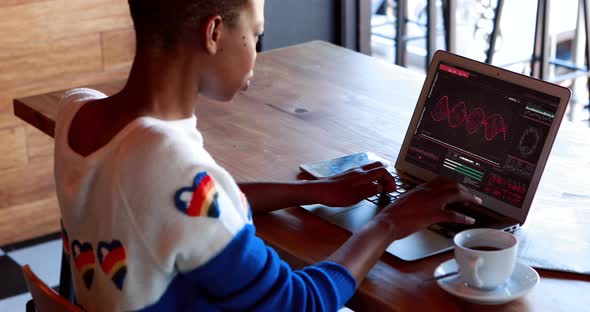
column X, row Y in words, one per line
column 350, row 187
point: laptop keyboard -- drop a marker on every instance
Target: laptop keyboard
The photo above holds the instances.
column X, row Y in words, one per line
column 402, row 187
column 447, row 229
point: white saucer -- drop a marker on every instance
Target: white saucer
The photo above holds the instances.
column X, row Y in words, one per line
column 523, row 279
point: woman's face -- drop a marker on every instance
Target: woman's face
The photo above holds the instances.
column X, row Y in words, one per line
column 231, row 67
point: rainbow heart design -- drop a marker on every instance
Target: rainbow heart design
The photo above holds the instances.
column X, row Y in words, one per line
column 64, row 239
column 113, row 261
column 84, row 261
column 200, row 199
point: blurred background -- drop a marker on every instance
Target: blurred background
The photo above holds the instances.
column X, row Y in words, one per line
column 473, row 25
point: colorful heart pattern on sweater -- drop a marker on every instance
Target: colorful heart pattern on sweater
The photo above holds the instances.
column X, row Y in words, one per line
column 113, row 261
column 84, row 261
column 200, row 199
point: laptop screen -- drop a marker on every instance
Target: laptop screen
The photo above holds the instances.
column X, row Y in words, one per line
column 483, row 132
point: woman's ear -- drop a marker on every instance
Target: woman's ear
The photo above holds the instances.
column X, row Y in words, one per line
column 213, row 29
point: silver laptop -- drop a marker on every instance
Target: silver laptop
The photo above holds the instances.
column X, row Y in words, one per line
column 485, row 127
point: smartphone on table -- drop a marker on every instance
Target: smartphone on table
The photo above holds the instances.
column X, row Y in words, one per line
column 330, row 167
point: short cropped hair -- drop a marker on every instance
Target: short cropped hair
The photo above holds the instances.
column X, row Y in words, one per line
column 161, row 23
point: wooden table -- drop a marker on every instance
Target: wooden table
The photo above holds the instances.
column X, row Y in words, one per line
column 316, row 101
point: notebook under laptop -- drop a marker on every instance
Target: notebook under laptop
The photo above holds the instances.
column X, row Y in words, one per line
column 485, row 127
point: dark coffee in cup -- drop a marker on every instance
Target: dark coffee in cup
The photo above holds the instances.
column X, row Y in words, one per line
column 485, row 248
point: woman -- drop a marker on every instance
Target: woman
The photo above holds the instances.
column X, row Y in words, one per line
column 154, row 223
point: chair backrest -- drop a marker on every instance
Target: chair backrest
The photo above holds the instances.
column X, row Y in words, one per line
column 45, row 298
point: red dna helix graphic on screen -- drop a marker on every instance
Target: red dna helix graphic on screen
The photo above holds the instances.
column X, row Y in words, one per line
column 457, row 115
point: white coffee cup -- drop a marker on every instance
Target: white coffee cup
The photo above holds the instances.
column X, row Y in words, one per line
column 486, row 257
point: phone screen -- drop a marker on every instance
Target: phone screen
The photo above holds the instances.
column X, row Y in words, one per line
column 325, row 168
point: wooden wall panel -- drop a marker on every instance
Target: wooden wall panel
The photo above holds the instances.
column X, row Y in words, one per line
column 118, row 48
column 7, row 118
column 10, row 3
column 49, row 45
column 47, row 21
column 31, row 219
column 13, row 151
column 46, row 60
column 22, row 185
column 39, row 145
column 66, row 82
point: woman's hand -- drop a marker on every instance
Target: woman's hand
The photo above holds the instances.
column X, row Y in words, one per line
column 341, row 190
column 417, row 209
column 426, row 205
column 354, row 185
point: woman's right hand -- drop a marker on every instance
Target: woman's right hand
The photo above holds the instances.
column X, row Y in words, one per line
column 425, row 205
column 415, row 210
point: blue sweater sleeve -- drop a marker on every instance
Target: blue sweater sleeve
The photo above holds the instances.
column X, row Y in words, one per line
column 248, row 275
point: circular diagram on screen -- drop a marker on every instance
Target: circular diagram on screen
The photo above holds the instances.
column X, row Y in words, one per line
column 529, row 141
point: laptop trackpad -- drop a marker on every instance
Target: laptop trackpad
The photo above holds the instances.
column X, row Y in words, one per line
column 416, row 246
column 421, row 244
